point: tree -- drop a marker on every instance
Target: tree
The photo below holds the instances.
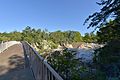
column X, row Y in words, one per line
column 108, row 32
column 109, row 8
column 27, row 34
column 90, row 37
column 4, row 37
column 73, row 36
column 65, row 37
column 15, row 36
column 77, row 37
column 57, row 37
column 66, row 65
column 45, row 34
column 107, row 57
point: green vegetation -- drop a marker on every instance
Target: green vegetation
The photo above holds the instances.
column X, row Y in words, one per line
column 44, row 39
column 66, row 65
column 65, row 37
column 90, row 38
column 107, row 58
column 109, row 32
column 110, row 9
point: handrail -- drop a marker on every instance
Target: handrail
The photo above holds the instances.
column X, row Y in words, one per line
column 40, row 68
column 6, row 45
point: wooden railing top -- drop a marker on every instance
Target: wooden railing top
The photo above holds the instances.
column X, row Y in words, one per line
column 56, row 75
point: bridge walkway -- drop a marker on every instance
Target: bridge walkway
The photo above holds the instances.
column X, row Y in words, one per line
column 12, row 64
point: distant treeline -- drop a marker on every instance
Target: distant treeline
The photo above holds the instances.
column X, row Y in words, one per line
column 36, row 35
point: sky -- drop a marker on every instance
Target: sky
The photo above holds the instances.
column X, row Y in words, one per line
column 50, row 14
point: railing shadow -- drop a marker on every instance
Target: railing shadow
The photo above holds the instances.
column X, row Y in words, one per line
column 15, row 69
column 16, row 61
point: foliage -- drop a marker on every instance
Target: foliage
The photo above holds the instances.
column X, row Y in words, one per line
column 64, row 37
column 37, row 37
column 73, row 69
column 65, row 64
column 90, row 38
column 98, row 75
column 57, row 37
column 15, row 36
column 111, row 49
column 109, row 32
column 107, row 57
column 4, row 37
column 109, row 8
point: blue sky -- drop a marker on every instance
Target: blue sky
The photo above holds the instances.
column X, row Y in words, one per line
column 50, row 14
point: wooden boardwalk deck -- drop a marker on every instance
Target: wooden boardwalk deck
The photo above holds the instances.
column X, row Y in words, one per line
column 12, row 64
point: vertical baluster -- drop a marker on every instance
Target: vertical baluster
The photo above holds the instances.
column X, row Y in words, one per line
column 48, row 74
column 41, row 69
column 51, row 76
column 36, row 68
column 45, row 71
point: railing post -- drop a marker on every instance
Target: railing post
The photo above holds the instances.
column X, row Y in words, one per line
column 40, row 68
column 25, row 55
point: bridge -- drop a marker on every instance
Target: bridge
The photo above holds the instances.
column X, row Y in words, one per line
column 21, row 62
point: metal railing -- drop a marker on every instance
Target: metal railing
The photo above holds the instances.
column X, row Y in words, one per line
column 40, row 68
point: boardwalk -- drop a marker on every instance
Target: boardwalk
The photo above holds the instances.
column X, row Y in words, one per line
column 12, row 64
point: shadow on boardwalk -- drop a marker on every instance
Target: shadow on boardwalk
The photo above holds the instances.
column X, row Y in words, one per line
column 12, row 66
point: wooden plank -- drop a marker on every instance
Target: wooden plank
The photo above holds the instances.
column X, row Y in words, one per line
column 41, row 69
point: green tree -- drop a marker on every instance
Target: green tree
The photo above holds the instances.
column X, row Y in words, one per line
column 90, row 37
column 4, row 37
column 17, row 36
column 57, row 37
column 29, row 34
column 66, row 65
column 109, row 8
column 107, row 57
column 77, row 37
column 108, row 32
